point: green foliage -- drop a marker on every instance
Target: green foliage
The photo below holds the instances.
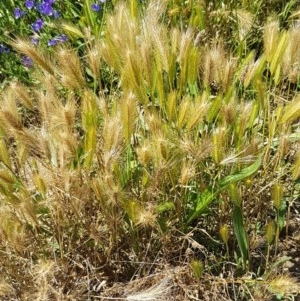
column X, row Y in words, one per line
column 242, row 175
column 240, row 233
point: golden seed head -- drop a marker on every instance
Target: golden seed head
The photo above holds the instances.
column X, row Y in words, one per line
column 271, row 232
column 146, row 217
column 277, row 195
column 144, row 155
column 224, row 233
column 197, row 268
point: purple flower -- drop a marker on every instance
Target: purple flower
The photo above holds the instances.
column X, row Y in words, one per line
column 27, row 61
column 45, row 8
column 58, row 39
column 49, row 1
column 18, row 13
column 102, row 1
column 95, row 7
column 62, row 38
column 37, row 25
column 52, row 42
column 29, row 4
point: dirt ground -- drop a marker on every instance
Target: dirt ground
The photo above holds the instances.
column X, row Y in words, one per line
column 179, row 283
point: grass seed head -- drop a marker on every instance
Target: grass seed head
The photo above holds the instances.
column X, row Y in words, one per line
column 70, row 70
column 271, row 232
column 22, row 95
column 187, row 173
column 224, row 233
column 147, row 217
column 271, row 36
column 277, row 195
column 245, row 22
column 38, row 56
column 283, row 285
column 144, row 154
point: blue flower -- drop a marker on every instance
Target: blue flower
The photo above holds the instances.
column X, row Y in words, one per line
column 95, row 7
column 37, row 25
column 27, row 61
column 102, row 1
column 58, row 39
column 62, row 38
column 18, row 13
column 45, row 8
column 29, row 4
column 52, row 42
column 49, row 1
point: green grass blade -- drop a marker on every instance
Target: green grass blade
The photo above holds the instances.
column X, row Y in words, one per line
column 243, row 174
column 207, row 197
column 240, row 233
column 281, row 215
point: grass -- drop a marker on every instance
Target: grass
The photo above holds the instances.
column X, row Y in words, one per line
column 158, row 148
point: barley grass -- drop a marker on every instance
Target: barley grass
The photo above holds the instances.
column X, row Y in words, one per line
column 149, row 151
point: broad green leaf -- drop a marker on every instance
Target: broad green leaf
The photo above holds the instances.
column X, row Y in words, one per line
column 207, row 197
column 240, row 232
column 234, row 194
column 243, row 174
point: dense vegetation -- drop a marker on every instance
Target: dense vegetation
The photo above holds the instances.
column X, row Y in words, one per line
column 149, row 150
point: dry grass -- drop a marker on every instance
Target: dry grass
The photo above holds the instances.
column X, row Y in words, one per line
column 112, row 190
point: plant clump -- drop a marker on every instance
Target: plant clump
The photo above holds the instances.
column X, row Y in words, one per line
column 142, row 151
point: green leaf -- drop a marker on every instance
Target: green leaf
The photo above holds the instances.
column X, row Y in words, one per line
column 240, row 233
column 234, row 194
column 243, row 174
column 203, row 201
column 207, row 197
column 281, row 215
